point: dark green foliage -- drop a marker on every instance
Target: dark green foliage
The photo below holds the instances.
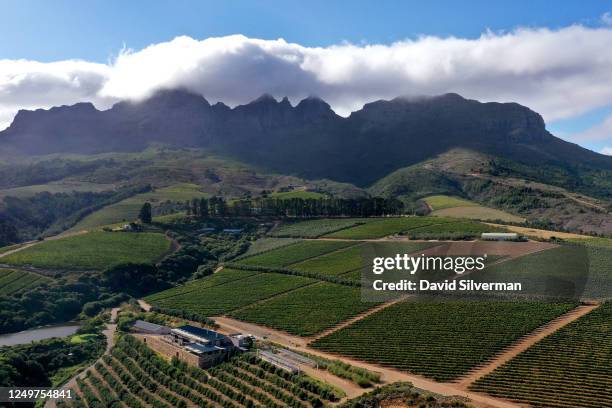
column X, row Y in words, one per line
column 294, row 207
column 405, row 392
column 8, row 233
column 134, row 279
column 145, row 214
column 32, row 365
column 47, row 214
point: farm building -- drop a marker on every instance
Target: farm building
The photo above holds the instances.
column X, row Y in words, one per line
column 194, row 345
column 209, row 346
column 140, row 326
column 500, row 236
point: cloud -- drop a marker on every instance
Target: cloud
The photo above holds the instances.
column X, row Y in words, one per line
column 606, row 18
column 559, row 73
column 599, row 132
column 607, row 150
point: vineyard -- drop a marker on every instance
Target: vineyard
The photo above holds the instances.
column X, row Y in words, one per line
column 134, row 376
column 268, row 244
column 12, row 281
column 294, row 253
column 452, row 230
column 382, row 227
column 220, row 278
column 223, row 298
column 317, row 228
column 307, row 311
column 569, row 368
column 439, row 340
column 560, row 272
column 95, row 250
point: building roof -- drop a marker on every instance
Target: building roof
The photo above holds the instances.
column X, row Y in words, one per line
column 198, row 348
column 198, row 333
column 148, row 326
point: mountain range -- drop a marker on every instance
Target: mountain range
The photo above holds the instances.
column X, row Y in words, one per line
column 309, row 139
column 497, row 154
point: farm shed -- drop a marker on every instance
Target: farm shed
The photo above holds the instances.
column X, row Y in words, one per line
column 499, row 236
column 140, row 326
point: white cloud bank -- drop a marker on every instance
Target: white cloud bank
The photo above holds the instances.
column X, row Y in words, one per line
column 559, row 73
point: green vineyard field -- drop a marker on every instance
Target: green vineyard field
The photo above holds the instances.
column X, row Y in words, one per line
column 317, row 228
column 294, row 253
column 193, row 287
column 307, row 311
column 569, row 368
column 13, row 281
column 441, row 340
column 95, row 250
column 220, row 299
column 382, row 227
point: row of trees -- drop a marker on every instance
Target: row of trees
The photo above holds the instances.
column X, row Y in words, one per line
column 295, row 207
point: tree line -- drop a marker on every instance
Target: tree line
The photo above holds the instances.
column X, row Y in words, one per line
column 294, row 207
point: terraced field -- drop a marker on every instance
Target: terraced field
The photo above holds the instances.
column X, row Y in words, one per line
column 13, row 281
column 317, row 228
column 127, row 210
column 294, row 253
column 381, row 227
column 95, row 250
column 307, row 311
column 441, row 340
column 568, row 369
column 223, row 298
column 134, row 376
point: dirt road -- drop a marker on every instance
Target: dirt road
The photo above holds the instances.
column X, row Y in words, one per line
column 109, row 333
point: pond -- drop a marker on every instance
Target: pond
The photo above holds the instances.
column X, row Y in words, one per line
column 41, row 333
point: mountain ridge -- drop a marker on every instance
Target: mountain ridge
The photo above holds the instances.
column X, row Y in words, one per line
column 308, row 139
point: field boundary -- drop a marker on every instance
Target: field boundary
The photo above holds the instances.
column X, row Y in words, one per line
column 524, row 343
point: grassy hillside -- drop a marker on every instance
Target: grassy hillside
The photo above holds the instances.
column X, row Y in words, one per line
column 65, row 186
column 550, row 195
column 127, row 210
column 440, row 202
column 447, row 206
column 297, row 194
column 95, row 250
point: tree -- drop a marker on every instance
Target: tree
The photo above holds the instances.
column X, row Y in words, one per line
column 145, row 213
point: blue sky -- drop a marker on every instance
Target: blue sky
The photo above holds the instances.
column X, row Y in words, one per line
column 96, row 31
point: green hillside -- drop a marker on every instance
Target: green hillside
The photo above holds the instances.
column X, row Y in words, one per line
column 94, row 250
column 127, row 210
